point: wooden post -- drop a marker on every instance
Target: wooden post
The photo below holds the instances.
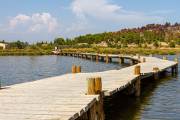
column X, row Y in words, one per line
column 110, row 59
column 97, row 58
column 121, row 60
column 156, row 73
column 98, row 85
column 176, row 69
column 107, row 59
column 91, row 86
column 176, row 66
column 74, row 69
column 138, row 87
column 78, row 69
column 91, row 57
column 172, row 70
column 95, row 87
column 98, row 90
column 137, row 70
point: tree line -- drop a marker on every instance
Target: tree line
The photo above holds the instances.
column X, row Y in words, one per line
column 153, row 34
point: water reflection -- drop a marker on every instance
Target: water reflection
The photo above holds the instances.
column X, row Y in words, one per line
column 159, row 101
column 18, row 69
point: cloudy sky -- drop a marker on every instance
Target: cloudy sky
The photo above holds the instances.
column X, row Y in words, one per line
column 37, row 20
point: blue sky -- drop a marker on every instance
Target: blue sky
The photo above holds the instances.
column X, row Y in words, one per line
column 37, row 20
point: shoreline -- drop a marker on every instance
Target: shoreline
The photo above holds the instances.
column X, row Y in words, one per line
column 142, row 51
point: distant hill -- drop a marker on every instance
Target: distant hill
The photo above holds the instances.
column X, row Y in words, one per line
column 156, row 35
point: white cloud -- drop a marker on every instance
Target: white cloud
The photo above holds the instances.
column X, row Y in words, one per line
column 104, row 10
column 19, row 19
column 34, row 23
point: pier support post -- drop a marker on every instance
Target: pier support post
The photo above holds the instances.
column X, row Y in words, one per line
column 138, row 87
column 176, row 66
column 97, row 58
column 176, row 69
column 137, row 71
column 121, row 60
column 96, row 112
column 107, row 59
column 172, row 70
column 86, row 56
column 101, row 58
column 156, row 73
column 133, row 62
column 91, row 57
column 78, row 69
column 110, row 59
column 73, row 69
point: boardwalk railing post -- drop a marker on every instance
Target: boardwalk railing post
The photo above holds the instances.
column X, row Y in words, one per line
column 137, row 71
column 98, row 85
column 95, row 87
column 156, row 73
column 91, row 86
column 78, row 69
column 74, row 69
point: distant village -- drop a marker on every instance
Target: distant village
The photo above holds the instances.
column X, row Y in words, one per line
column 3, row 46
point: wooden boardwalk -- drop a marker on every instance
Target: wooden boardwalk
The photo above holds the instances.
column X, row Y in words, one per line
column 64, row 97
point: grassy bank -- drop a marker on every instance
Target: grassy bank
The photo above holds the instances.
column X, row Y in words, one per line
column 21, row 52
column 170, row 51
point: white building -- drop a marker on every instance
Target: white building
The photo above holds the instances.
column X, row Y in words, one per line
column 3, row 45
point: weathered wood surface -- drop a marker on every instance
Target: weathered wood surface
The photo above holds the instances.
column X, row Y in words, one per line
column 64, row 97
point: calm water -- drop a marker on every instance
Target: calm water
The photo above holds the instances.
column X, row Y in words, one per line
column 19, row 69
column 159, row 100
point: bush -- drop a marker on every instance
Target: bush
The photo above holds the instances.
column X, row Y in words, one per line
column 172, row 45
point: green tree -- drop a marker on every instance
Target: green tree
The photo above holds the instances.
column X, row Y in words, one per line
column 172, row 44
